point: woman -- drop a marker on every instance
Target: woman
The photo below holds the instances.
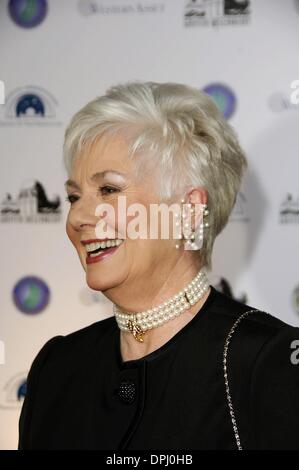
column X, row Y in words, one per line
column 179, row 365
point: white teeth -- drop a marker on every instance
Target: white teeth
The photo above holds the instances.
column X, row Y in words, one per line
column 93, row 254
column 95, row 246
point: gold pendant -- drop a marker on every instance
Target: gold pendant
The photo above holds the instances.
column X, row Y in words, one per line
column 135, row 329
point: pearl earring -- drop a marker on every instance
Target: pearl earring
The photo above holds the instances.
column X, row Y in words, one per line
column 193, row 240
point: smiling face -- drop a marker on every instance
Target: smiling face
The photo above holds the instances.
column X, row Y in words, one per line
column 101, row 174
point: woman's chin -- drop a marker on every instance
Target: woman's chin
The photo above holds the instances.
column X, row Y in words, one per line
column 93, row 281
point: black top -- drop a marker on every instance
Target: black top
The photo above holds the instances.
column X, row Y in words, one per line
column 81, row 395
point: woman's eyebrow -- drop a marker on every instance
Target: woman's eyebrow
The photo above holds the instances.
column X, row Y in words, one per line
column 100, row 174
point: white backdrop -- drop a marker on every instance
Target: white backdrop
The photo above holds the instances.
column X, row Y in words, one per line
column 76, row 53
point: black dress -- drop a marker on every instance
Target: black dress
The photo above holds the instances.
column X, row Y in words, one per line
column 81, row 395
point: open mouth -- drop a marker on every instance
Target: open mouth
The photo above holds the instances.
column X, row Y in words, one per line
column 96, row 249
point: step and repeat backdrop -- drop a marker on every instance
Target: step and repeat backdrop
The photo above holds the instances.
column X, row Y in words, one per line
column 55, row 55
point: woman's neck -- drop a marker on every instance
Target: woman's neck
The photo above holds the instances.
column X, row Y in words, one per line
column 156, row 337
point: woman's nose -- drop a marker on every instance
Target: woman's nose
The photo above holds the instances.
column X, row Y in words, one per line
column 83, row 213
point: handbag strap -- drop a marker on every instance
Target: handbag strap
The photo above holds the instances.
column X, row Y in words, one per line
column 226, row 381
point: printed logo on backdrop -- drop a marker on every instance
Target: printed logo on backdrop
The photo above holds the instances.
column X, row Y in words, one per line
column 223, row 285
column 30, row 205
column 108, row 7
column 29, row 106
column 224, row 98
column 28, row 13
column 240, row 212
column 295, row 299
column 217, row 12
column 2, row 92
column 289, row 210
column 31, row 295
column 13, row 392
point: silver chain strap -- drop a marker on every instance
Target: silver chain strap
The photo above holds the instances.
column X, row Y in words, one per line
column 228, row 395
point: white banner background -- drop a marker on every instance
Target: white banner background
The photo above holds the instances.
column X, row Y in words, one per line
column 76, row 57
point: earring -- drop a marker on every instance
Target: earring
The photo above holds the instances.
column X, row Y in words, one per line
column 193, row 240
column 180, row 223
column 198, row 240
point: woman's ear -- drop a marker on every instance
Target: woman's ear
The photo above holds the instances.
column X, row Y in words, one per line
column 198, row 197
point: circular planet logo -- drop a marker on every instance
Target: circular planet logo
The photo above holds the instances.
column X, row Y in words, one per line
column 28, row 13
column 224, row 98
column 31, row 295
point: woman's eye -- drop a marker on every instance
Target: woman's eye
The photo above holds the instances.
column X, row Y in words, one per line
column 71, row 199
column 108, row 190
column 104, row 190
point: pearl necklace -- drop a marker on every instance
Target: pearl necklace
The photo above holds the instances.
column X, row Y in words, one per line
column 139, row 323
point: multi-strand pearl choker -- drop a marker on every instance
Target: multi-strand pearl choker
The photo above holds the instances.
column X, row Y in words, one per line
column 139, row 323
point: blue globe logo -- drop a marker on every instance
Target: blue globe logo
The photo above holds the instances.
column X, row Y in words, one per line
column 31, row 295
column 224, row 98
column 28, row 13
column 21, row 392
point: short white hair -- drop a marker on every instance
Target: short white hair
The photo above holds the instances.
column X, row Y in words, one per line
column 176, row 133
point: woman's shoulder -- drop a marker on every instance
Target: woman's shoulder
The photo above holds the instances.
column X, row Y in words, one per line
column 91, row 333
column 255, row 339
column 74, row 345
column 58, row 355
column 254, row 335
column 240, row 315
column 262, row 357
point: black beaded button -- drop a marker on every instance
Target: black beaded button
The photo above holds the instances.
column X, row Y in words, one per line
column 127, row 391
